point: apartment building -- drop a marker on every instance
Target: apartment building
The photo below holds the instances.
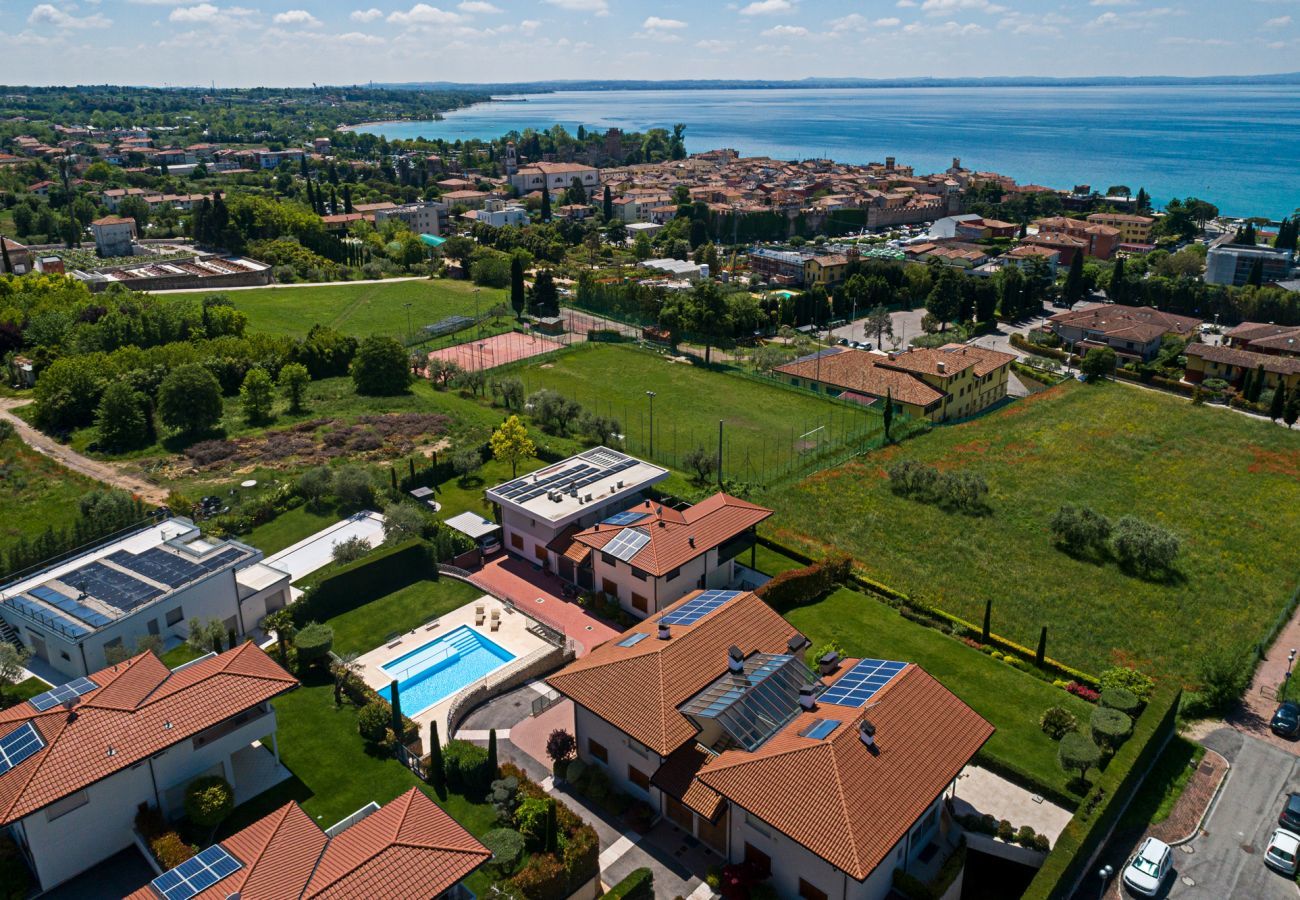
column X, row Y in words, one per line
column 1131, row 331
column 555, row 177
column 1229, row 263
column 1132, row 229
column 421, row 218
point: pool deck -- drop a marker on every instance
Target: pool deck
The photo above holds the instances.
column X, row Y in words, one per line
column 513, row 636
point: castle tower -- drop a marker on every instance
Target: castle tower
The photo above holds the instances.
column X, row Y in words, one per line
column 512, row 158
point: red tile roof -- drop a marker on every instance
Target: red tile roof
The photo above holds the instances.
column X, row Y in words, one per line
column 676, row 538
column 140, row 708
column 408, row 848
column 639, row 688
column 1245, row 359
column 835, row 796
column 1141, row 322
column 864, row 373
column 954, row 358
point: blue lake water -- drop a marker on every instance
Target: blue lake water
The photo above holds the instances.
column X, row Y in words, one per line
column 1237, row 146
column 440, row 668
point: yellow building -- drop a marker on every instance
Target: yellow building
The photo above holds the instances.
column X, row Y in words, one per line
column 826, row 271
column 1132, row 229
column 1206, row 361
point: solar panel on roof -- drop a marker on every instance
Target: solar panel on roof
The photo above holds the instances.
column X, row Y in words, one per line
column 196, row 874
column 860, row 683
column 62, row 693
column 820, row 730
column 115, row 588
column 92, row 617
column 59, row 623
column 624, row 518
column 633, row 639
column 17, row 745
column 627, row 544
column 692, row 611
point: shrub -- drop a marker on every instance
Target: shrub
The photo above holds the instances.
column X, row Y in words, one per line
column 372, row 722
column 314, row 643
column 1057, row 722
column 560, row 746
column 543, row 878
column 354, row 488
column 581, row 856
column 798, row 586
column 1005, row 830
column 576, row 770
column 530, row 819
column 313, row 485
column 1025, row 836
column 466, row 766
column 170, row 850
column 1144, row 547
column 1080, row 528
column 638, row 885
column 1041, row 843
column 208, row 800
column 507, row 846
column 1224, row 675
column 350, row 550
column 1129, row 679
column 1078, row 753
column 1082, row 691
column 1120, row 699
column 504, row 796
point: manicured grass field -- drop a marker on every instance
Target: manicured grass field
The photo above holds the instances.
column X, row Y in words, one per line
column 766, row 427
column 365, row 627
column 1229, row 487
column 1010, row 699
column 179, row 655
column 359, row 309
column 13, row 694
column 289, row 528
column 37, row 491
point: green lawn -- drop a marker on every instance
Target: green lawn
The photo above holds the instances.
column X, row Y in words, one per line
column 180, row 655
column 360, row 309
column 771, row 562
column 289, row 528
column 13, row 694
column 38, row 492
column 766, row 428
column 1010, row 699
column 365, row 627
column 1229, row 487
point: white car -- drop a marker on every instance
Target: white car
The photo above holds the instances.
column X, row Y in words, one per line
column 1283, row 849
column 1147, row 869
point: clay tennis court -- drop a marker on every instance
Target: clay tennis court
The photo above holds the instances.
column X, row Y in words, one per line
column 497, row 350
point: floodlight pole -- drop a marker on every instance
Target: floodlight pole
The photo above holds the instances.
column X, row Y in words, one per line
column 408, row 320
column 651, row 395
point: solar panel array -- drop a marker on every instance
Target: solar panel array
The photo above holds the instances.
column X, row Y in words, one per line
column 624, row 518
column 17, row 745
column 820, row 730
column 627, row 544
column 91, row 617
column 59, row 623
column 860, row 683
column 633, row 639
column 691, row 612
column 521, row 490
column 115, row 588
column 61, row 694
column 603, row 456
column 170, row 569
column 196, row 874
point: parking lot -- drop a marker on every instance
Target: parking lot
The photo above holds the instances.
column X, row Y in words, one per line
column 1226, row 860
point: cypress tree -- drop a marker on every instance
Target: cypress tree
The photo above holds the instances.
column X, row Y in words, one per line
column 1246, row 384
column 1042, row 646
column 1278, row 406
column 1257, row 385
column 517, row 297
column 347, row 198
column 552, row 836
column 1074, row 280
column 1256, row 277
column 546, row 204
column 988, row 615
column 437, row 771
column 608, row 204
column 889, row 412
column 396, row 700
column 1143, row 200
column 4, row 254
column 1292, row 411
column 1117, row 289
column 494, row 770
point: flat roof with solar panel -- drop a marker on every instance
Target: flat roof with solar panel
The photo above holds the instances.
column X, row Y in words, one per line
column 75, row 597
column 697, row 608
column 859, row 684
column 196, row 874
column 576, row 486
column 18, row 745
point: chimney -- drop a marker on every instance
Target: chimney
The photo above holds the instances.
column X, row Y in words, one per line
column 691, row 541
column 867, row 732
column 665, row 633
column 943, row 368
column 662, row 524
column 829, row 662
column 806, row 699
column 796, row 643
column 735, row 660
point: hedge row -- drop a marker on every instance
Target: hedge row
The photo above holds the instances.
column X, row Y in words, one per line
column 1019, row 342
column 639, row 885
column 1107, row 799
column 798, row 586
column 1160, row 381
column 377, row 574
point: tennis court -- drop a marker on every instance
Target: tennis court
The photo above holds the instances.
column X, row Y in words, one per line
column 497, row 350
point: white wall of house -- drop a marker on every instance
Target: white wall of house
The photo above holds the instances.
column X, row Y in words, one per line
column 75, row 833
column 622, row 752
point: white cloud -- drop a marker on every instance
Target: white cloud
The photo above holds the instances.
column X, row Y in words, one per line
column 946, row 7
column 1138, row 18
column 423, row 14
column 528, row 26
column 366, row 15
column 946, row 29
column 157, row 2
column 599, row 7
column 1112, row 2
column 299, row 17
column 713, row 44
column 767, row 7
column 786, row 31
column 478, row 7
column 858, row 22
column 1279, row 22
column 357, row 37
column 654, row 23
column 905, row 4
column 48, row 14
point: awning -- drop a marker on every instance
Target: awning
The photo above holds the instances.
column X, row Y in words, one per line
column 472, row 524
column 432, row 240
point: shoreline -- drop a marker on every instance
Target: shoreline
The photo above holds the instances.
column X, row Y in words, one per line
column 443, row 113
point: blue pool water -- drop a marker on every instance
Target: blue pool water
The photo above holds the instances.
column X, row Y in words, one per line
column 442, row 667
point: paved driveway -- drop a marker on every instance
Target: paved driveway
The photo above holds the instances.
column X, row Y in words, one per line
column 1226, row 859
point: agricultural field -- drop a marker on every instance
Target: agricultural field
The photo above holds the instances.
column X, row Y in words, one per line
column 768, row 429
column 1228, row 486
column 359, row 309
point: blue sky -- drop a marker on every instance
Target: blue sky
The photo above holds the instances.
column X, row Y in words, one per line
column 292, row 42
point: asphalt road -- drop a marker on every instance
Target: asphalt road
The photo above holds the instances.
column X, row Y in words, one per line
column 1226, row 859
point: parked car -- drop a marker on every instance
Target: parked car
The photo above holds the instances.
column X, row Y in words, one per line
column 1146, row 871
column 1283, row 848
column 1286, row 719
column 1290, row 817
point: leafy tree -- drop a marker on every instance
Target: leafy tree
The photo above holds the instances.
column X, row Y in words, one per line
column 517, row 296
column 294, row 379
column 350, row 549
column 709, row 316
column 314, row 485
column 1098, row 363
column 281, row 623
column 1078, row 753
column 257, row 396
column 1144, row 547
column 314, row 642
column 702, row 463
column 121, row 417
column 1080, row 529
column 402, row 521
column 511, row 443
column 554, row 411
column 354, row 488
column 944, row 301
column 208, row 800
column 189, row 399
column 511, row 392
column 380, row 367
column 466, row 461
column 1223, row 673
column 880, row 323
column 68, row 392
column 443, row 371
column 560, row 746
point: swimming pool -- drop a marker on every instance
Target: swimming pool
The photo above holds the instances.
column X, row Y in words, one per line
column 440, row 668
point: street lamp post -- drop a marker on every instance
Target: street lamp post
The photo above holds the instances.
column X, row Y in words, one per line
column 1104, row 874
column 408, row 320
column 651, row 395
column 477, row 322
column 1286, row 679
